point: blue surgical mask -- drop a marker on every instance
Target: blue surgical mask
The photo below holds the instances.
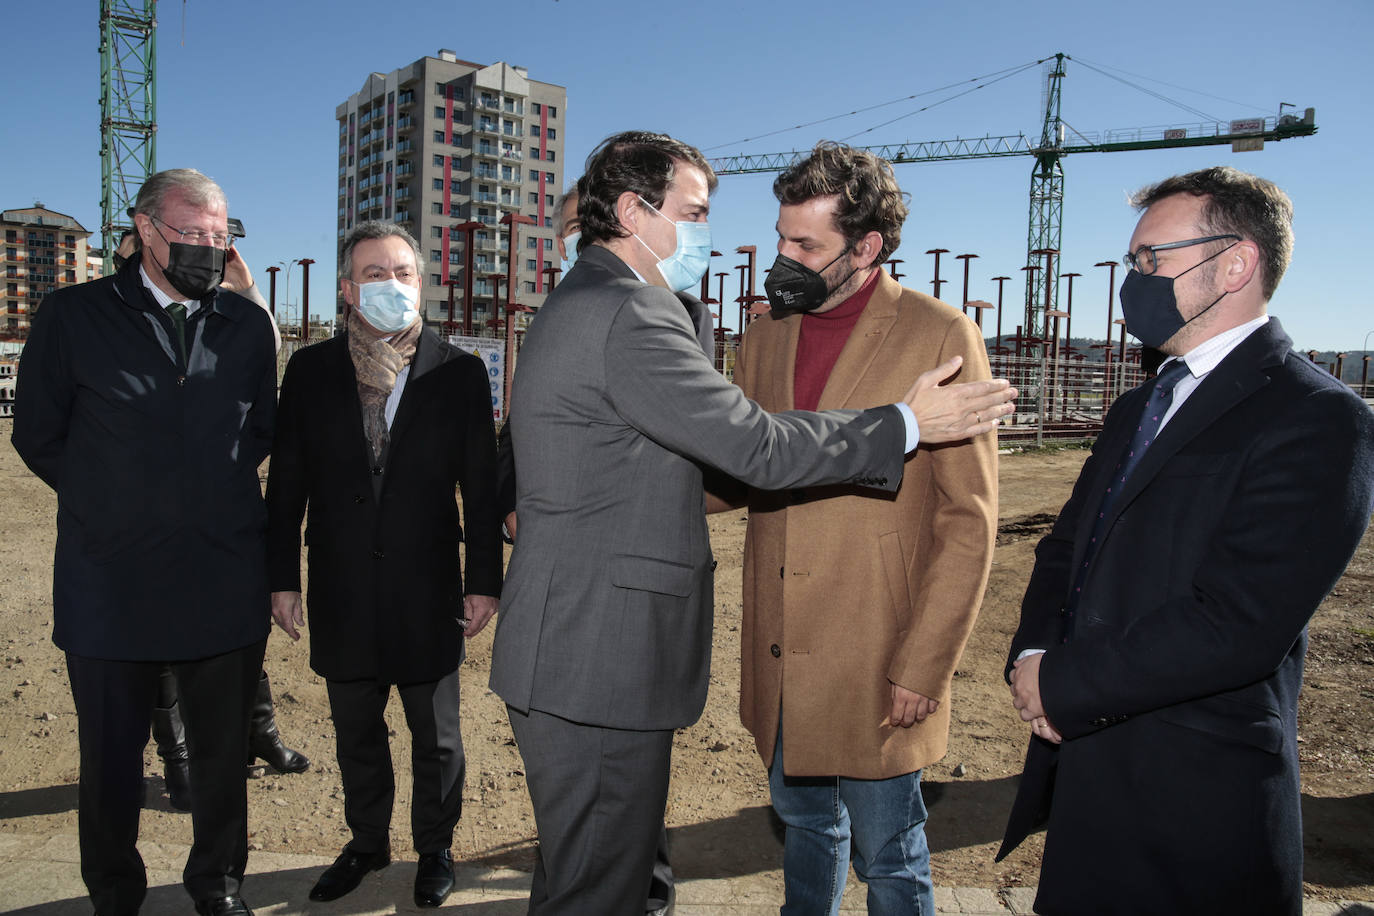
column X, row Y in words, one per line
column 685, row 267
column 388, row 305
column 570, row 246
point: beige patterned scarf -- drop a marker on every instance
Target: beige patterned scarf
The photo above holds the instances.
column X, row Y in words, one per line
column 376, row 363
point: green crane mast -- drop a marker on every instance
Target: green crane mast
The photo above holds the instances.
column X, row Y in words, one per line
column 128, row 111
column 1047, row 175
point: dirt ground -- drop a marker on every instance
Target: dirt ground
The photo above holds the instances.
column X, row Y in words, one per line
column 718, row 810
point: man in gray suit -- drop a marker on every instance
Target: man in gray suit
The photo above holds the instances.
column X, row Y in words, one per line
column 603, row 647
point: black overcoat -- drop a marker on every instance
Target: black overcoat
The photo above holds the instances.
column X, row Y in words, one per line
column 385, row 578
column 1175, row 681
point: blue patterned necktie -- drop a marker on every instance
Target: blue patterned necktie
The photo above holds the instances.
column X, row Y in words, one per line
column 1148, row 427
column 1145, row 432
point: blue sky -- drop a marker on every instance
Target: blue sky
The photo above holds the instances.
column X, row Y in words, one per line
column 247, row 92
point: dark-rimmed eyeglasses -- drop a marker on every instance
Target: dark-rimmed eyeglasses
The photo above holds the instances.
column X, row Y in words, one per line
column 1145, row 260
column 220, row 240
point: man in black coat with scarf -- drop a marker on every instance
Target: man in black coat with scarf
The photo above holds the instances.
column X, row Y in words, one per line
column 376, row 428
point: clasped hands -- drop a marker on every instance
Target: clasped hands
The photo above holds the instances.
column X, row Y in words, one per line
column 289, row 613
column 1025, row 696
column 949, row 413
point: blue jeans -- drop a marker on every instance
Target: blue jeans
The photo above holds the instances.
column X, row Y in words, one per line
column 882, row 820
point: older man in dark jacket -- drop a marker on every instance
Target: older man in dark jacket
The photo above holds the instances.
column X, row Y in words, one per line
column 146, row 400
column 377, row 429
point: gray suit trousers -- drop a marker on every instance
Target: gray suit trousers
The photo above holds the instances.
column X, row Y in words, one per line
column 599, row 796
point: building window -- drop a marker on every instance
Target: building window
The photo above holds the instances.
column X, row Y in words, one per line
column 438, row 184
column 553, row 111
column 529, row 286
column 436, row 255
column 534, row 107
column 533, row 198
column 437, row 161
column 549, row 155
column 534, row 175
column 438, row 111
column 436, row 280
column 534, row 130
column 548, row 244
column 548, row 223
column 531, row 242
column 548, row 199
column 553, row 134
column 438, row 136
column 438, row 88
column 436, row 232
column 548, row 176
column 531, row 264
column 436, row 207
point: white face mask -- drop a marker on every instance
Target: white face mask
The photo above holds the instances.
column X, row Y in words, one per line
column 682, row 269
column 388, row 305
column 570, row 246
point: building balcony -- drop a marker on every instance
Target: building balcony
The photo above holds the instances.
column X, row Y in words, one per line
column 402, row 194
column 484, row 197
column 402, row 216
column 405, row 169
column 486, row 174
column 405, row 98
column 514, row 178
column 405, row 146
column 513, row 154
column 405, row 123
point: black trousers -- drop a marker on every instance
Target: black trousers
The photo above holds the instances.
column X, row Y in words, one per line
column 599, row 796
column 364, row 753
column 114, row 707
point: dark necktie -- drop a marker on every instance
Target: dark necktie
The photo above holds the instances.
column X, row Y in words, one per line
column 178, row 312
column 1147, row 429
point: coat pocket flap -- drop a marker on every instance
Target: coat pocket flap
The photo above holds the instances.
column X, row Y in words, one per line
column 651, row 575
column 1230, row 720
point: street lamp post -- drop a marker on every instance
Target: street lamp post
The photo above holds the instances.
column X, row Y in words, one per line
column 966, row 258
column 892, row 268
column 272, row 289
column 1111, row 293
column 937, row 281
column 305, row 298
column 999, row 281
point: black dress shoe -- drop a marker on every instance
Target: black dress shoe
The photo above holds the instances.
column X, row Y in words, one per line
column 347, row 872
column 434, row 878
column 232, row 905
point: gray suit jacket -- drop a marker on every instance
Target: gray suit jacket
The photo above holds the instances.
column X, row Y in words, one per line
column 606, row 611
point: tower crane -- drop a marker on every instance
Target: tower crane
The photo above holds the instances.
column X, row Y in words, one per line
column 128, row 110
column 1047, row 174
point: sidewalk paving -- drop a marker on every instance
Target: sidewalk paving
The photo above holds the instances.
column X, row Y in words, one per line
column 40, row 876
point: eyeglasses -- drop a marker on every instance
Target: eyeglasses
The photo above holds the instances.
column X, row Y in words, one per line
column 198, row 237
column 1145, row 260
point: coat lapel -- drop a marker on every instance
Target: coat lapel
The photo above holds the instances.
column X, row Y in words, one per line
column 1240, row 374
column 428, row 354
column 863, row 345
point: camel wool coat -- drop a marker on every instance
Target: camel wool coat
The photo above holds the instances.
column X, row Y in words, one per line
column 846, row 589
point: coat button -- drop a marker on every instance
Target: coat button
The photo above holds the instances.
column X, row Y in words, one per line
column 359, row 499
column 377, row 555
column 181, row 381
column 776, row 652
column 377, row 471
column 1100, row 723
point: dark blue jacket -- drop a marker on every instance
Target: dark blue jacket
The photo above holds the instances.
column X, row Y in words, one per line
column 1175, row 680
column 160, row 518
